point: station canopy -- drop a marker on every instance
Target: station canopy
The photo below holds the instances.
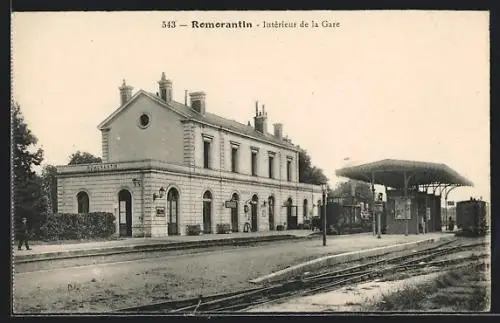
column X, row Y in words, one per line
column 391, row 173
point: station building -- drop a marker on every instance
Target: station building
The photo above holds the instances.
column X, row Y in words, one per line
column 167, row 165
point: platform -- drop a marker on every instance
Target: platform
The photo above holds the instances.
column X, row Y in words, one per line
column 62, row 249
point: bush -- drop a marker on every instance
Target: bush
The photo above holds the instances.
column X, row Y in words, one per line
column 223, row 228
column 280, row 227
column 66, row 226
column 193, row 230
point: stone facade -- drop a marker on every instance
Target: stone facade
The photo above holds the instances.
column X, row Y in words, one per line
column 175, row 167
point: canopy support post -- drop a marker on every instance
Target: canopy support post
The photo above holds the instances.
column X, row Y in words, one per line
column 373, row 203
column 406, row 180
column 446, row 201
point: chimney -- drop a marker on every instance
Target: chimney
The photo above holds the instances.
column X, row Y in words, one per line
column 185, row 97
column 278, row 130
column 260, row 119
column 198, row 102
column 125, row 93
column 165, row 88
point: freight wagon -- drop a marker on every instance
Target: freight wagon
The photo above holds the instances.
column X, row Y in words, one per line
column 471, row 217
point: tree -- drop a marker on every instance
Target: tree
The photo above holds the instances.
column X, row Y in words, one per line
column 307, row 173
column 83, row 158
column 28, row 197
column 49, row 183
column 362, row 192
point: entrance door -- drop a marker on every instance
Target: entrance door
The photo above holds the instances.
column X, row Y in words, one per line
column 255, row 203
column 173, row 211
column 234, row 214
column 291, row 216
column 125, row 213
column 207, row 212
column 271, row 213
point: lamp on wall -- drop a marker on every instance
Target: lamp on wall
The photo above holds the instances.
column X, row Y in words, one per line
column 161, row 193
column 136, row 182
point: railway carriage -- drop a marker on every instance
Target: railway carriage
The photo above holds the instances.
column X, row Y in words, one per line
column 472, row 217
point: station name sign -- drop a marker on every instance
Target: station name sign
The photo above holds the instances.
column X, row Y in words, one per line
column 231, row 204
column 101, row 167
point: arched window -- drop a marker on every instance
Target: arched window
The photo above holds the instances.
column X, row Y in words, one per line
column 172, row 211
column 254, row 216
column 207, row 212
column 83, row 202
column 271, row 212
column 234, row 214
column 207, row 195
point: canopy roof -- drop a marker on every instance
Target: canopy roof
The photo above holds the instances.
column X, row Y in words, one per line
column 390, row 172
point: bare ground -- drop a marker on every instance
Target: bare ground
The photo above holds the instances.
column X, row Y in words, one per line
column 462, row 287
column 107, row 287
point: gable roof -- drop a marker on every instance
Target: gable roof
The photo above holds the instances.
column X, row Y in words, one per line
column 389, row 172
column 208, row 118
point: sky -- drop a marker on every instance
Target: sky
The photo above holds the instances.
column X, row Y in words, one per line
column 383, row 84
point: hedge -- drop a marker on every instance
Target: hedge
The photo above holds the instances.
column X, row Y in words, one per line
column 66, row 226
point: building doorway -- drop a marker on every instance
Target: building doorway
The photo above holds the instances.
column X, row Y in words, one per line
column 234, row 213
column 125, row 213
column 173, row 212
column 254, row 204
column 207, row 212
column 83, row 202
column 291, row 215
column 271, row 212
column 304, row 206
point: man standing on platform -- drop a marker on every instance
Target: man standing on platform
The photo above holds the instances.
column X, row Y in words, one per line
column 23, row 234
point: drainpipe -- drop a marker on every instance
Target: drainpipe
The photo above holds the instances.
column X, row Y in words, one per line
column 221, row 150
column 373, row 204
column 281, row 188
column 142, row 205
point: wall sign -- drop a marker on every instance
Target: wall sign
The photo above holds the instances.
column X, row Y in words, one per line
column 231, row 204
column 160, row 211
column 101, row 168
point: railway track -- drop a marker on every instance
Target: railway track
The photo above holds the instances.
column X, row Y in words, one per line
column 307, row 284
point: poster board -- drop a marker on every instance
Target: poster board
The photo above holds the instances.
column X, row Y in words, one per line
column 402, row 208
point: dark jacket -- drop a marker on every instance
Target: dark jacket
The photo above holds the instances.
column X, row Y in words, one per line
column 23, row 229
